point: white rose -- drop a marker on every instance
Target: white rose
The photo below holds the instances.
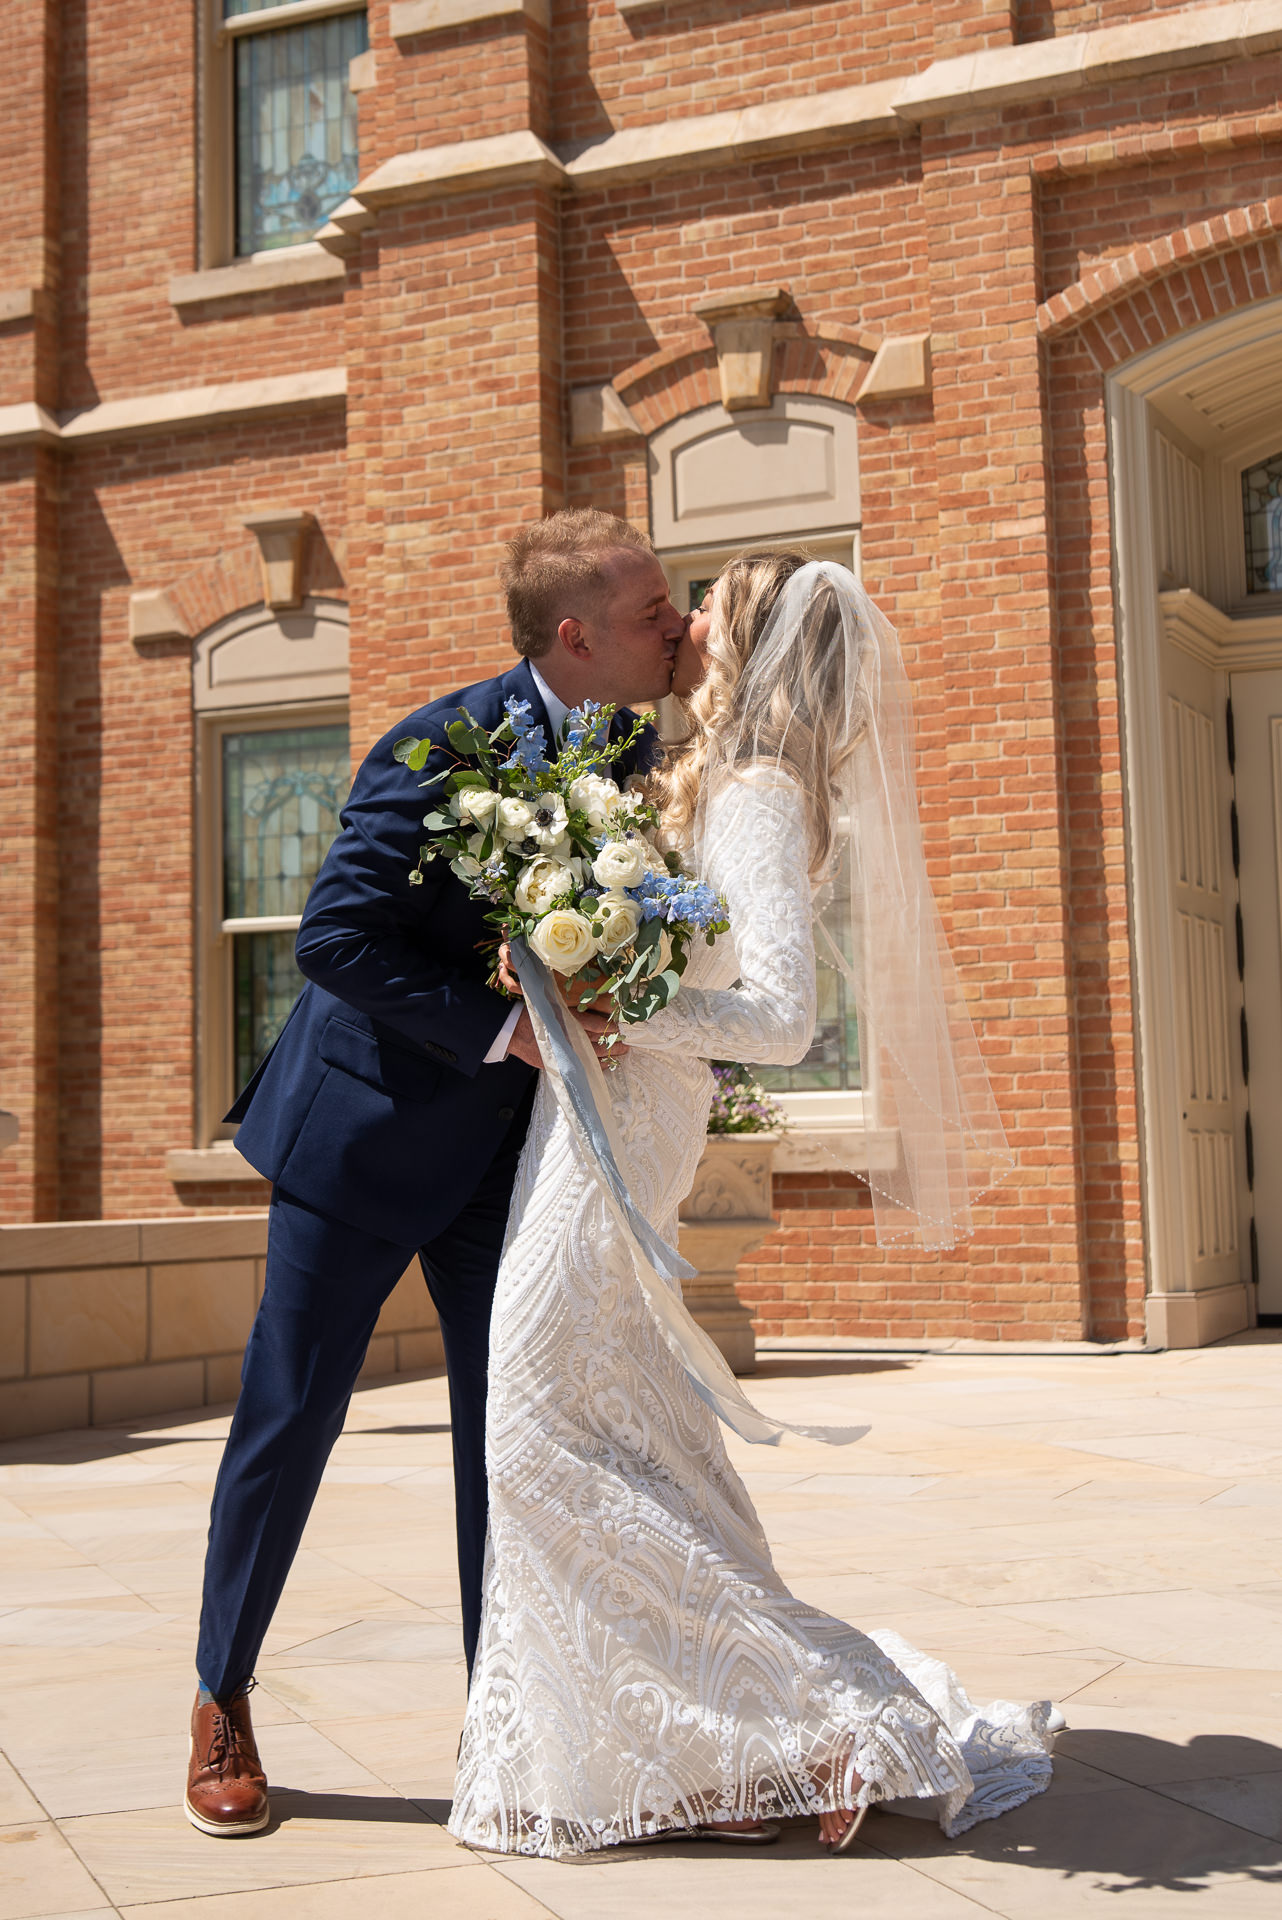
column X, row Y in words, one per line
column 549, row 822
column 466, row 866
column 563, row 940
column 515, row 817
column 542, row 882
column 620, row 863
column 597, row 797
column 620, row 918
column 476, row 805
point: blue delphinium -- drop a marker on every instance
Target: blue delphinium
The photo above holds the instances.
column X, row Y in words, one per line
column 673, row 897
column 531, row 747
column 587, row 725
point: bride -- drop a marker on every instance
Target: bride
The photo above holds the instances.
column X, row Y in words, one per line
column 642, row 1670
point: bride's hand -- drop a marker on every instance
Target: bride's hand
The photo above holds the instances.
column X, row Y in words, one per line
column 603, row 1032
column 580, row 998
column 596, row 1017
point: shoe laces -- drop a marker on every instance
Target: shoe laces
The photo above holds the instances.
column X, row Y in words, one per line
column 227, row 1748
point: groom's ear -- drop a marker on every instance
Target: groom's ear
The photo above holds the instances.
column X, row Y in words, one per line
column 574, row 639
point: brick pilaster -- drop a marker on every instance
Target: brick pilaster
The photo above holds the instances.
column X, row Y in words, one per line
column 29, row 171
column 29, row 836
column 1001, row 811
column 454, row 436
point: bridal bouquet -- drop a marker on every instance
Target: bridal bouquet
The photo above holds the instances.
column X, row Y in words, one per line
column 565, row 857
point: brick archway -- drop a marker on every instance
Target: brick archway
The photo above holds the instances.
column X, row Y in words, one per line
column 1191, row 275
column 829, row 362
column 232, row 582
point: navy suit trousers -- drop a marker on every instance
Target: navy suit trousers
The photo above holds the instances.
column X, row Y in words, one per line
column 326, row 1283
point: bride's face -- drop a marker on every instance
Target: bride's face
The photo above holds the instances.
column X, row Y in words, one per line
column 692, row 652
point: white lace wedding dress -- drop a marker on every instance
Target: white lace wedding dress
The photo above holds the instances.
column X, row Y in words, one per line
column 642, row 1667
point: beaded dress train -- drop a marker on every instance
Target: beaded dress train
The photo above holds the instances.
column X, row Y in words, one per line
column 642, row 1667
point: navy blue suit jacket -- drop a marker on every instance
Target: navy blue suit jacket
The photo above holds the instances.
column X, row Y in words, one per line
column 374, row 1105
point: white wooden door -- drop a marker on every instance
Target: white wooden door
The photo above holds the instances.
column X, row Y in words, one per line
column 1257, row 713
column 1205, row 963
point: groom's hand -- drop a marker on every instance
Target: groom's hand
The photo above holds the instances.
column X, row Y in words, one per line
column 523, row 1043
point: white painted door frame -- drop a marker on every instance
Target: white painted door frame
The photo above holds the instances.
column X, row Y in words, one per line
column 1178, row 1313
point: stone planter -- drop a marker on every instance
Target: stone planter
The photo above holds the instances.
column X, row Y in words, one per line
column 724, row 1216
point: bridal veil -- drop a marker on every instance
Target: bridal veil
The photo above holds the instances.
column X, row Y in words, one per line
column 828, row 658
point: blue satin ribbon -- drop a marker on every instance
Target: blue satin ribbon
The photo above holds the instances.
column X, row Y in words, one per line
column 575, row 1073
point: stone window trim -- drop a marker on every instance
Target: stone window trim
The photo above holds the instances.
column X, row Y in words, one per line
column 412, row 19
column 278, row 669
column 309, row 264
column 216, row 160
column 810, row 443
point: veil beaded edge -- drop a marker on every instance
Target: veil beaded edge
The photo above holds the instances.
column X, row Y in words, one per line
column 923, row 1072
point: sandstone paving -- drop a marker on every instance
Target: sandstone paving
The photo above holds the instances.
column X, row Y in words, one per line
column 1099, row 1530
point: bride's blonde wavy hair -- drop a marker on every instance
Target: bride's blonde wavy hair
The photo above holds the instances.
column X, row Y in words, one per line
column 801, row 722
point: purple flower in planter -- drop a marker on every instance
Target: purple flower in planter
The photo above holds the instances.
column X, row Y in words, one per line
column 739, row 1104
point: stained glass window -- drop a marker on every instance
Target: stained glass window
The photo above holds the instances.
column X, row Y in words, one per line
column 1262, row 525
column 296, row 149
column 282, row 791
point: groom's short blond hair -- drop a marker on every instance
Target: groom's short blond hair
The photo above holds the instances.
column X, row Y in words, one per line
column 553, row 570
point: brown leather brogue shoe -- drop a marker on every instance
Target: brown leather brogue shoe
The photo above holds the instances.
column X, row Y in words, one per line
column 226, row 1785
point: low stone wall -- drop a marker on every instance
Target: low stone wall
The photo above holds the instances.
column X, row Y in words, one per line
column 105, row 1320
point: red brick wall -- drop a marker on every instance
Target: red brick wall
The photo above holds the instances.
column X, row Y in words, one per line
column 461, row 323
column 1046, row 19
column 621, row 70
column 139, row 516
column 455, row 435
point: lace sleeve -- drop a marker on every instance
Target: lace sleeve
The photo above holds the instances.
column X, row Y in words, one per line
column 756, row 853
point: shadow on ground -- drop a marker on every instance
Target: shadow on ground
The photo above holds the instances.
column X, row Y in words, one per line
column 1152, row 1816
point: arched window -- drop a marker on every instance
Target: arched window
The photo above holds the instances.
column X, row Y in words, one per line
column 270, row 692
column 720, row 482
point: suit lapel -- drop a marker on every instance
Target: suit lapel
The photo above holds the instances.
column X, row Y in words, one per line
column 641, row 757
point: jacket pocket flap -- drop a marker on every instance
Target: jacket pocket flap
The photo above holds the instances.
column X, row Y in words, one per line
column 382, row 1063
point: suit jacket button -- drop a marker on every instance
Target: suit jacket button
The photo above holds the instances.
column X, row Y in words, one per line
column 506, row 1113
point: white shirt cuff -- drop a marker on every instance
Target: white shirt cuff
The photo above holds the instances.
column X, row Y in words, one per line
column 503, row 1038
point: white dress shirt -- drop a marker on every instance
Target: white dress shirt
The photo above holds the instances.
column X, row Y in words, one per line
column 556, row 712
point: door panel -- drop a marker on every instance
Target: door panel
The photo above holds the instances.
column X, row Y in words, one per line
column 1205, row 968
column 1257, row 710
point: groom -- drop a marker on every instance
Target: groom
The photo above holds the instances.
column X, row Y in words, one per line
column 389, row 1117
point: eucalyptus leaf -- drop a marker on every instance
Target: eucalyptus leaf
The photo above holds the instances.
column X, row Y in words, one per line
column 650, row 937
column 412, row 752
